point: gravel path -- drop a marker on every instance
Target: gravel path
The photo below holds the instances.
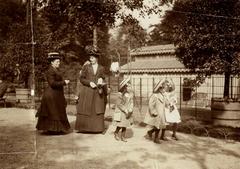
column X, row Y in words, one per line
column 21, row 147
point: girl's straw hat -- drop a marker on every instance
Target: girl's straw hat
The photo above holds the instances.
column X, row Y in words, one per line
column 123, row 83
column 159, row 85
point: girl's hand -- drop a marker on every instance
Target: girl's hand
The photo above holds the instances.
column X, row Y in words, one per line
column 153, row 115
column 129, row 115
column 171, row 108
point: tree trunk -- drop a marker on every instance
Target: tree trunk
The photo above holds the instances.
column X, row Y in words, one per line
column 226, row 85
column 95, row 37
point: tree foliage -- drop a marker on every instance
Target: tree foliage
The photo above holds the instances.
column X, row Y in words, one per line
column 16, row 42
column 158, row 36
column 207, row 36
column 129, row 34
column 65, row 26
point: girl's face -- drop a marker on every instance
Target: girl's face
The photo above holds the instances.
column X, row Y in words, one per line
column 128, row 87
column 167, row 88
column 56, row 63
column 164, row 88
column 93, row 60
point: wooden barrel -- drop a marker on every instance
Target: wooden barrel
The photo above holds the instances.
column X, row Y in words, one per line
column 225, row 113
column 22, row 95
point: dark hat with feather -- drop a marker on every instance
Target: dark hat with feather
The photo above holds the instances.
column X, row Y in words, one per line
column 53, row 56
column 91, row 51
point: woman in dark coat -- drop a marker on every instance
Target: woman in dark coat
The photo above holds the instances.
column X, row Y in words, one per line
column 92, row 99
column 52, row 115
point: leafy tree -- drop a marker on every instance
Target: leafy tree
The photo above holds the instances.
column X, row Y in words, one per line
column 62, row 25
column 130, row 34
column 207, row 36
column 9, row 22
column 73, row 21
column 158, row 36
column 16, row 42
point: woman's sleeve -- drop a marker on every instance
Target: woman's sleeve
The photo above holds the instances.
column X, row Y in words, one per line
column 102, row 72
column 78, row 85
column 83, row 76
column 52, row 81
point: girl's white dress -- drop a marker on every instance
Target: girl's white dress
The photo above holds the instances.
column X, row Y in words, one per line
column 172, row 114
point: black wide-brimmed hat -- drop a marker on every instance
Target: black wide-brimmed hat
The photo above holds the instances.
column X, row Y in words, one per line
column 94, row 52
column 53, row 56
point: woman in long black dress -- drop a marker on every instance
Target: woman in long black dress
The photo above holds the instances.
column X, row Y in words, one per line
column 52, row 115
column 92, row 99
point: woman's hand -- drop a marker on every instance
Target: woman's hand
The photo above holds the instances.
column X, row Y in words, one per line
column 93, row 85
column 100, row 81
column 67, row 81
column 76, row 99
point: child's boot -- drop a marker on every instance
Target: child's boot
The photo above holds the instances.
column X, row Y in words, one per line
column 156, row 139
column 163, row 135
column 116, row 134
column 123, row 138
column 149, row 133
column 174, row 136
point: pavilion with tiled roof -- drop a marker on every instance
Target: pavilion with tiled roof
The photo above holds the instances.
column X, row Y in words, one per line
column 149, row 64
column 154, row 59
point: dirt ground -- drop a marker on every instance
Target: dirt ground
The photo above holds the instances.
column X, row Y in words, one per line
column 22, row 147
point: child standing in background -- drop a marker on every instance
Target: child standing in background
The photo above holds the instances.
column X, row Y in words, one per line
column 122, row 117
column 172, row 113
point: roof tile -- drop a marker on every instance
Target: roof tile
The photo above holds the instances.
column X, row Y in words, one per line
column 157, row 49
column 156, row 64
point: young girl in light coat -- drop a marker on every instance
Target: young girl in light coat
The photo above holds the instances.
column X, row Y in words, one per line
column 155, row 117
column 122, row 117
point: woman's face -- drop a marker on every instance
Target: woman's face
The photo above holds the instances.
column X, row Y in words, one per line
column 56, row 63
column 93, row 60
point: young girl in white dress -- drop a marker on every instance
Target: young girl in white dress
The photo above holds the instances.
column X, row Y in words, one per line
column 171, row 112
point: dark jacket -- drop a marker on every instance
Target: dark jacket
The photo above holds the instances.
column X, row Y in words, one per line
column 53, row 104
column 91, row 101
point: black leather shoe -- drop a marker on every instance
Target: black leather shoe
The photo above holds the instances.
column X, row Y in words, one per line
column 149, row 133
column 157, row 141
column 164, row 139
column 123, row 139
column 174, row 137
column 116, row 136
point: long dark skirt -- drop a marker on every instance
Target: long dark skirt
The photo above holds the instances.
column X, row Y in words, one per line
column 93, row 123
column 44, row 123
